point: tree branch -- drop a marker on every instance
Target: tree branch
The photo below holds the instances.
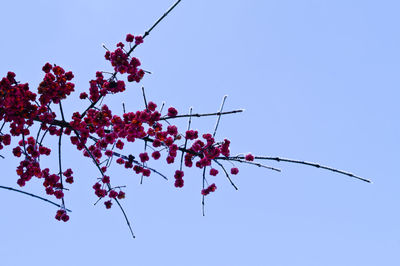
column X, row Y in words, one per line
column 278, row 159
column 34, row 196
column 202, row 115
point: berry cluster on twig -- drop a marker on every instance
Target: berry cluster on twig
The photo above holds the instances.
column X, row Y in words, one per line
column 101, row 135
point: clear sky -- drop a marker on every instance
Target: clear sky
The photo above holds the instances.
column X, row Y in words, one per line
column 319, row 81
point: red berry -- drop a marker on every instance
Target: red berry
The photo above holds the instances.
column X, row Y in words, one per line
column 234, row 171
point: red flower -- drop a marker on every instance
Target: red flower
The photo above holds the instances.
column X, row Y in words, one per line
column 234, row 171
column 121, row 195
column 156, row 155
column 179, row 182
column 119, row 145
column 152, row 106
column 146, row 172
column 172, row 112
column 65, row 217
column 144, row 157
column 108, row 204
column 213, row 172
column 113, row 194
column 68, row 172
column 47, row 67
column 59, row 194
column 138, row 40
column 129, row 37
column 178, row 174
column 83, row 95
column 207, row 191
column 105, row 179
column 249, row 157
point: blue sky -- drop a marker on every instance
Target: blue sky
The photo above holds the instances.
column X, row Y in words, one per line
column 319, row 82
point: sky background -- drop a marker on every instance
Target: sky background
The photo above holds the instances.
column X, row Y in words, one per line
column 319, row 81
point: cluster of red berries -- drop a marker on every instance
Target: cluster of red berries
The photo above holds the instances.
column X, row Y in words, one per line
column 17, row 105
column 19, row 108
column 55, row 87
column 179, row 178
column 101, row 190
column 123, row 63
column 62, row 215
column 209, row 189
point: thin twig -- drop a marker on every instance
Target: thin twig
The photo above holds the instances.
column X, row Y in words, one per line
column 1, row 128
column 202, row 115
column 278, row 159
column 162, row 107
column 125, row 216
column 34, row 196
column 226, row 173
column 144, row 98
column 126, row 157
column 108, row 184
column 161, row 18
column 202, row 200
column 131, row 50
column 219, row 115
column 59, row 164
column 61, row 111
column 188, row 128
column 256, row 164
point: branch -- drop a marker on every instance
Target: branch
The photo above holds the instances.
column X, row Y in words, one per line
column 59, row 163
column 202, row 115
column 132, row 49
column 256, row 164
column 108, row 184
column 219, row 115
column 202, row 198
column 278, row 159
column 226, row 173
column 127, row 158
column 161, row 18
column 188, row 128
column 34, row 196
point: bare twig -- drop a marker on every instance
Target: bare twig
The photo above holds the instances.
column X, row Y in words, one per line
column 202, row 115
column 62, row 112
column 204, row 180
column 1, row 128
column 219, row 115
column 125, row 216
column 127, row 157
column 256, row 164
column 184, row 147
column 108, row 184
column 132, row 49
column 226, row 173
column 278, row 159
column 34, row 196
column 162, row 107
column 144, row 98
column 59, row 164
column 161, row 18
